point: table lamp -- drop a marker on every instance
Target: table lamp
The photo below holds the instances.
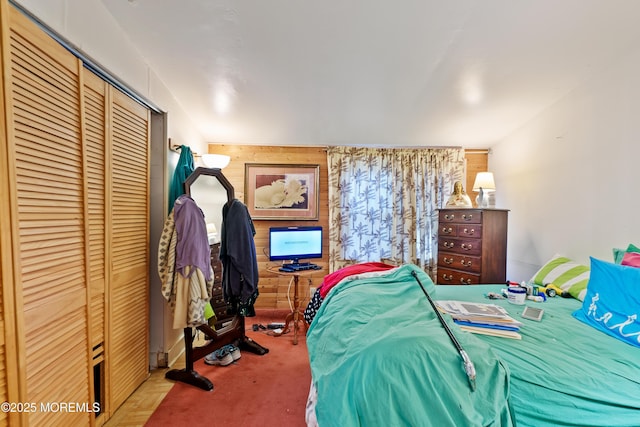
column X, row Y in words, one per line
column 484, row 184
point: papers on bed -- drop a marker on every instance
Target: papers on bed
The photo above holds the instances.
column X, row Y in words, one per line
column 485, row 319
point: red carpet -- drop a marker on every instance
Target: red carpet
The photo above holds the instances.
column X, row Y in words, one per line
column 268, row 390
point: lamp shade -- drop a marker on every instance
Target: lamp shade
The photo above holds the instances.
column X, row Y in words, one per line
column 215, row 161
column 485, row 181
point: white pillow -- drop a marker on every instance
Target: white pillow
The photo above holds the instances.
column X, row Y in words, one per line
column 566, row 274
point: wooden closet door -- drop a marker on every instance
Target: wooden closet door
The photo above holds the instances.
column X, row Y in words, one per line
column 7, row 306
column 75, row 231
column 95, row 97
column 8, row 356
column 48, row 227
column 117, row 153
column 96, row 158
column 128, row 348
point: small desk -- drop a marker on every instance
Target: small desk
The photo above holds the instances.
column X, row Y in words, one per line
column 296, row 315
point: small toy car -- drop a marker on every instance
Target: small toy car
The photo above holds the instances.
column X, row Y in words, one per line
column 550, row 290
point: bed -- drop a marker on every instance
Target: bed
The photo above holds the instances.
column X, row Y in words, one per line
column 379, row 356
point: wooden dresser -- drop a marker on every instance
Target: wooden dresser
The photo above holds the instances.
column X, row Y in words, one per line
column 217, row 299
column 472, row 246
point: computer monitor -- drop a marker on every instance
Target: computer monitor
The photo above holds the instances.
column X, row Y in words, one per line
column 295, row 243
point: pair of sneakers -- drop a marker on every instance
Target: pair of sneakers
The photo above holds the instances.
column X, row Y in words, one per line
column 223, row 356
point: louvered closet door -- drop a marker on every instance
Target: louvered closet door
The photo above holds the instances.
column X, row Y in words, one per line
column 129, row 296
column 8, row 362
column 4, row 272
column 96, row 156
column 49, row 199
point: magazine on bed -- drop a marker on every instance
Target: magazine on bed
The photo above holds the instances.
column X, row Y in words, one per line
column 478, row 318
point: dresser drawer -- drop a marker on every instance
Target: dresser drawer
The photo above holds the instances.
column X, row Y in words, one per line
column 469, row 264
column 220, row 310
column 461, row 230
column 460, row 216
column 460, row 246
column 469, row 230
column 217, row 289
column 453, row 277
column 217, row 273
column 448, row 230
column 217, row 300
column 215, row 251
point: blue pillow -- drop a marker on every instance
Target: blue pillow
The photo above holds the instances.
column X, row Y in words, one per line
column 612, row 301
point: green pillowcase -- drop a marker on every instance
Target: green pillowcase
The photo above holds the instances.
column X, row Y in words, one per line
column 618, row 254
column 566, row 274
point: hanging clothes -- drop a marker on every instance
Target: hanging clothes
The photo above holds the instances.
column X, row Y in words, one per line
column 184, row 168
column 184, row 263
column 239, row 260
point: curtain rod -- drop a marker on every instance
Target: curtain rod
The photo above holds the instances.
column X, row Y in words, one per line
column 326, row 147
column 478, row 150
column 430, row 147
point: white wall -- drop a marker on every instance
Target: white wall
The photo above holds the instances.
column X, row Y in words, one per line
column 88, row 26
column 570, row 176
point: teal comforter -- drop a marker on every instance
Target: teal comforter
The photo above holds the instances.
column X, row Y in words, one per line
column 380, row 357
column 563, row 372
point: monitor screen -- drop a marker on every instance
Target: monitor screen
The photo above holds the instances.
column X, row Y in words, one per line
column 295, row 243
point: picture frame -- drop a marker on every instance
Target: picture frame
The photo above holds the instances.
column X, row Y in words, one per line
column 282, row 191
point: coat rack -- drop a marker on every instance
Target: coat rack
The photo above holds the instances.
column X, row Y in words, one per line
column 232, row 333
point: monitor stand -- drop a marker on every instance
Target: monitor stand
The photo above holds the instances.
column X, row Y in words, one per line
column 296, row 263
column 296, row 316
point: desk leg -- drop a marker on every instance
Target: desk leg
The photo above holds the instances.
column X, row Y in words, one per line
column 295, row 316
column 296, row 306
column 295, row 327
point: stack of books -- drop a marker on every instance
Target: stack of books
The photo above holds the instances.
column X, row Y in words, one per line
column 484, row 319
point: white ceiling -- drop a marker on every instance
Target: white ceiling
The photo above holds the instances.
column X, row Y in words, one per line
column 374, row 72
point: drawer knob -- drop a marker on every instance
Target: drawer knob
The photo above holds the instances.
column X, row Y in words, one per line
column 466, row 264
column 449, row 217
column 466, row 246
column 469, row 231
column 465, row 282
column 446, row 230
column 448, row 260
column 447, row 278
column 467, row 217
column 448, row 244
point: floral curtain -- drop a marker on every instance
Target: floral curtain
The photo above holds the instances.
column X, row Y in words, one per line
column 383, row 203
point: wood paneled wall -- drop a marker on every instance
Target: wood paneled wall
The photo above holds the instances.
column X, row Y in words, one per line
column 275, row 291
column 477, row 161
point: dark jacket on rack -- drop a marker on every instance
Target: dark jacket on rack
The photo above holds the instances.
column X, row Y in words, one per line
column 239, row 261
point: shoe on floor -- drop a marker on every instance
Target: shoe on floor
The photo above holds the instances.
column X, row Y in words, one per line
column 220, row 357
column 233, row 351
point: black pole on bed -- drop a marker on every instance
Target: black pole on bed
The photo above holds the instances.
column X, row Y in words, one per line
column 469, row 368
